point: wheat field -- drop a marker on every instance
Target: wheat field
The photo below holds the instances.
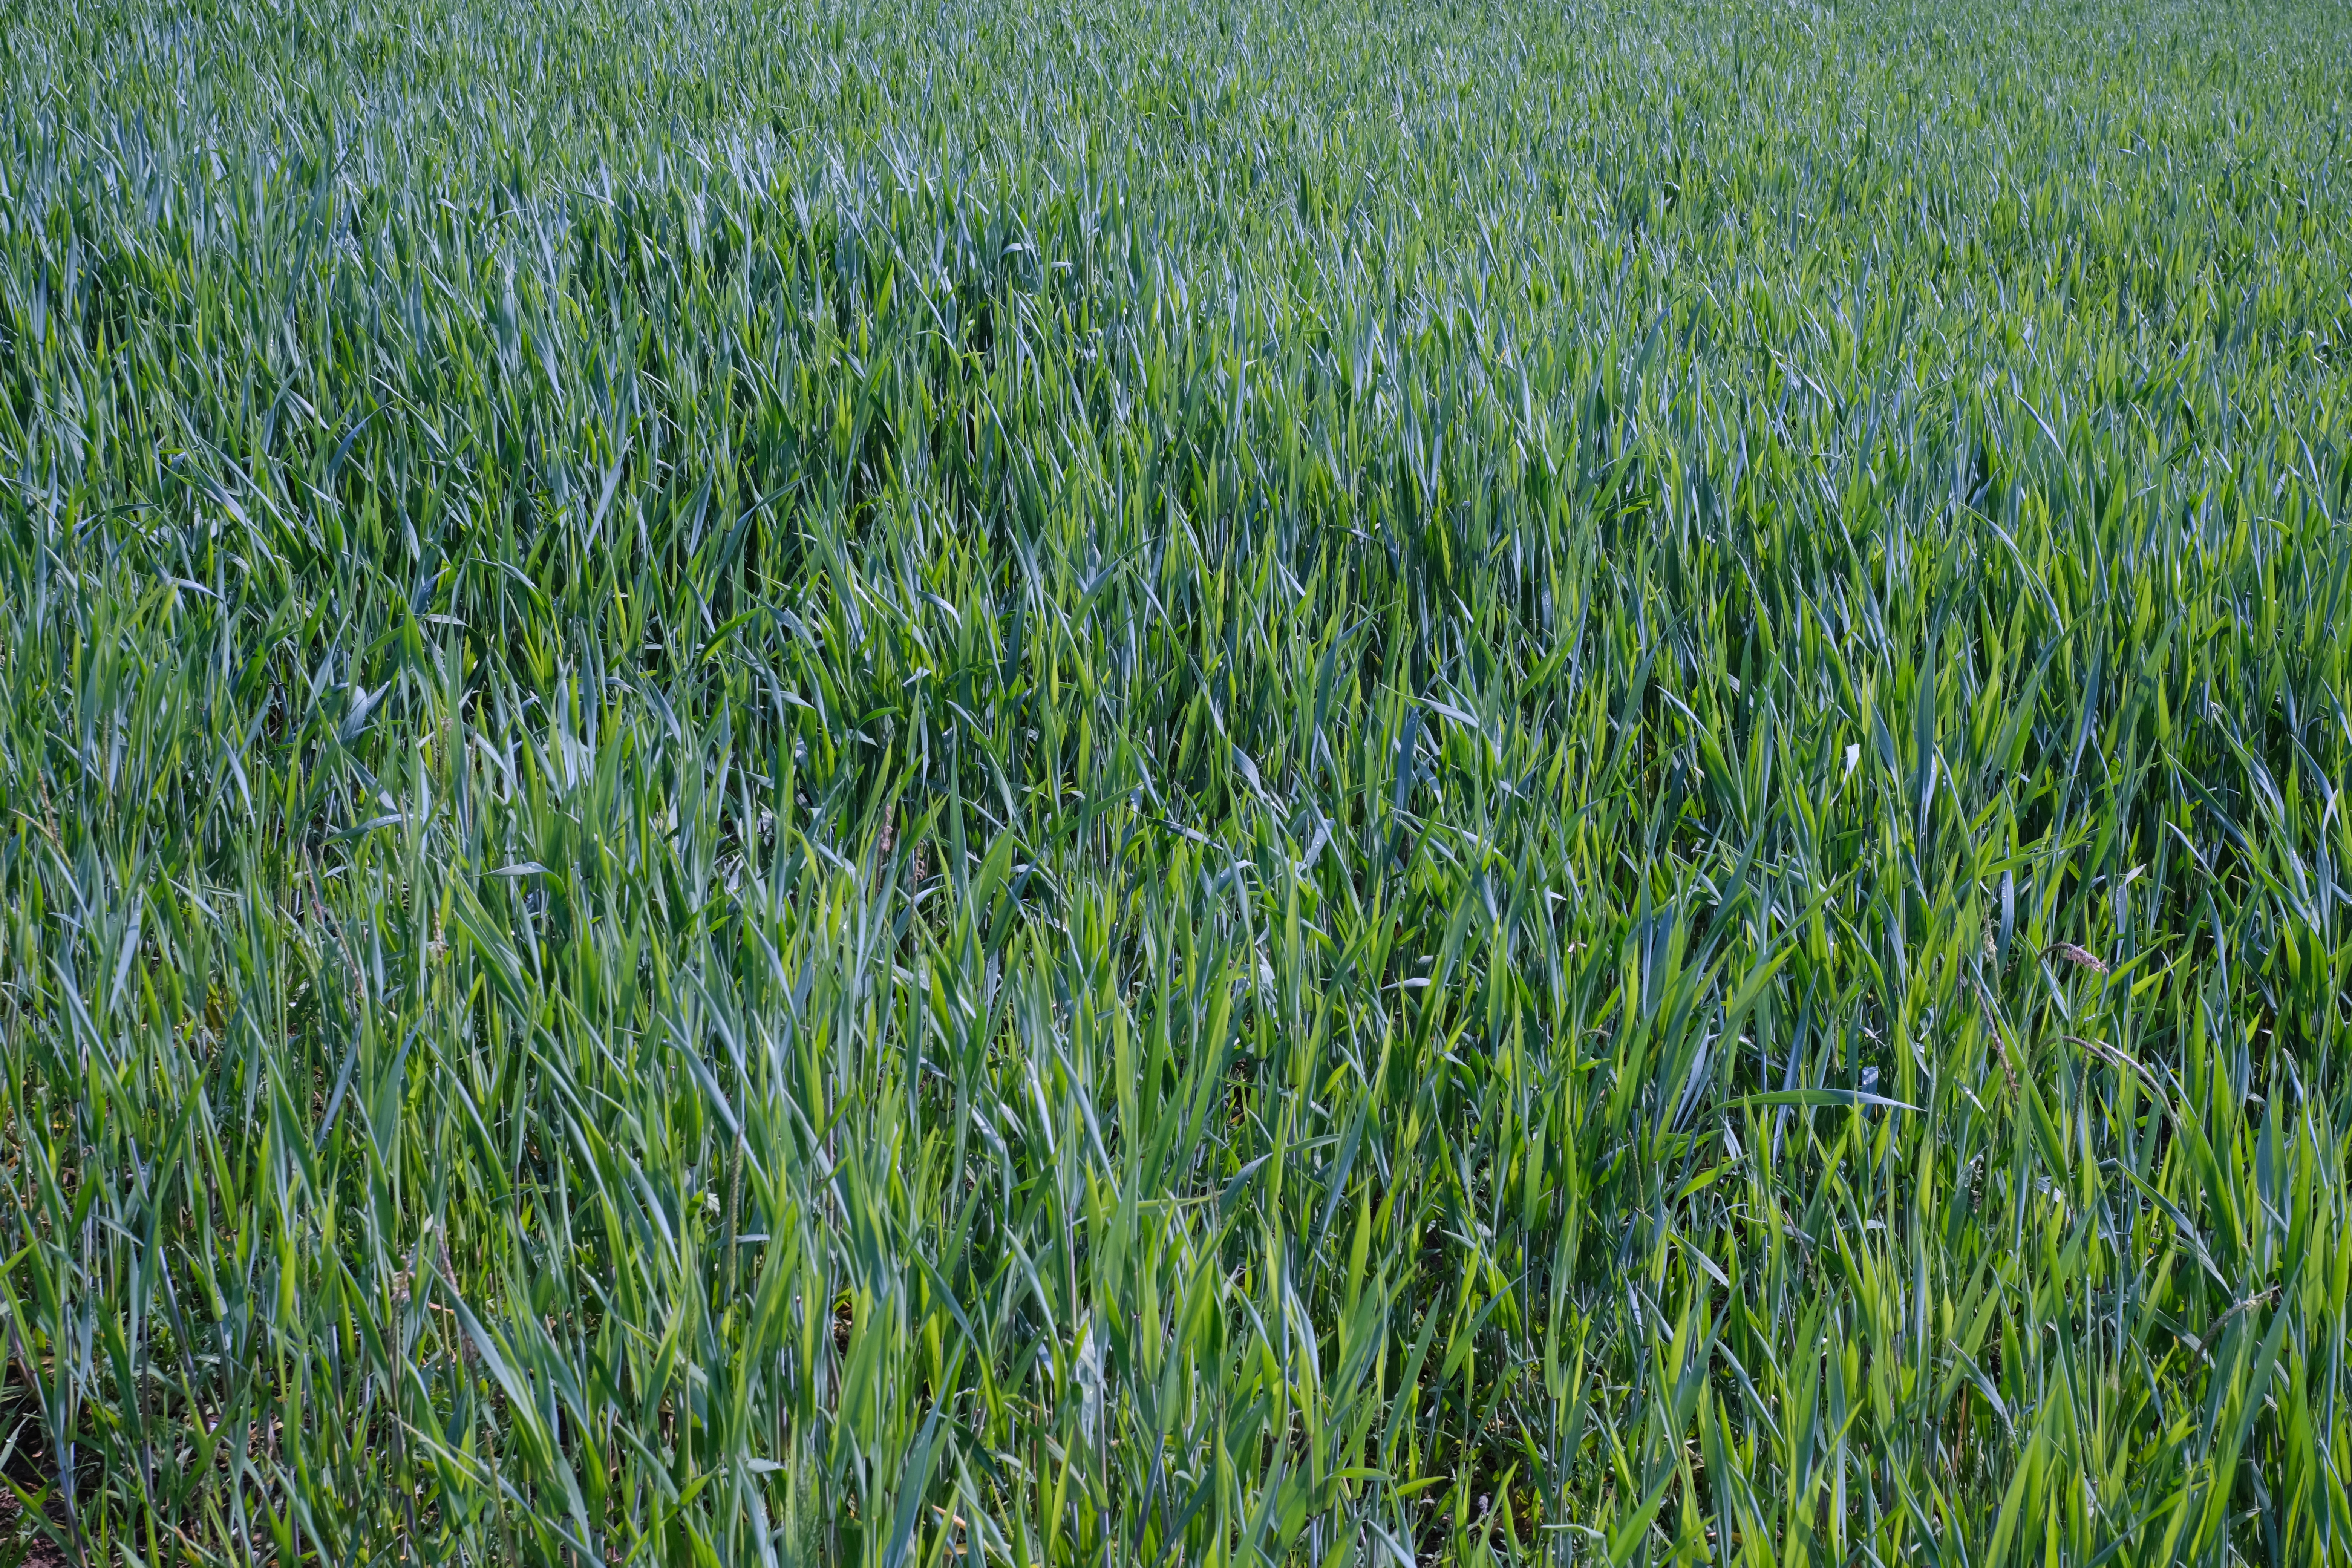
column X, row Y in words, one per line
column 1057, row 782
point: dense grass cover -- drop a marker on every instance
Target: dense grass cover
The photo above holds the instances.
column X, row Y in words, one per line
column 1231, row 781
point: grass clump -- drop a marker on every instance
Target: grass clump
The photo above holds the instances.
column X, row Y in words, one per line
column 1040, row 784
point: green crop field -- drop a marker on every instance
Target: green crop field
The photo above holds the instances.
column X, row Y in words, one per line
column 1073, row 782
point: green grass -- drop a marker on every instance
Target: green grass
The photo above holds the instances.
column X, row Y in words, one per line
column 1028, row 783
